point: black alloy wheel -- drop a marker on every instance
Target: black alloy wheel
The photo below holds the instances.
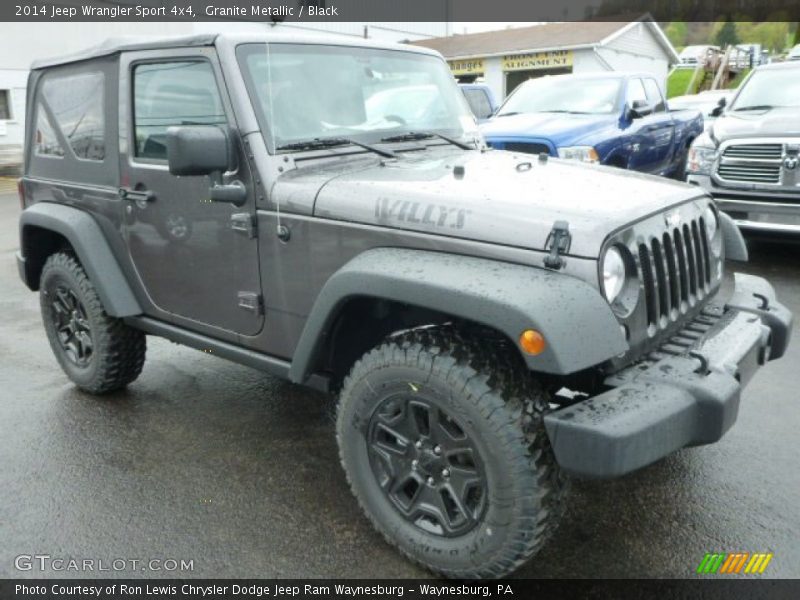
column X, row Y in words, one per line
column 427, row 465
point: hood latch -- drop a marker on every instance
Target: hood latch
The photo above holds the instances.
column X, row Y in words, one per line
column 558, row 241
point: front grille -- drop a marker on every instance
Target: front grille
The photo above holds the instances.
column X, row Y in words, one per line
column 754, row 151
column 750, row 173
column 527, row 148
column 753, row 162
column 675, row 272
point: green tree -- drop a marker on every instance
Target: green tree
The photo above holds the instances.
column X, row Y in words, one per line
column 726, row 35
column 676, row 33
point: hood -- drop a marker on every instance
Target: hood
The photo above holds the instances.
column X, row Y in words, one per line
column 757, row 123
column 561, row 127
column 493, row 196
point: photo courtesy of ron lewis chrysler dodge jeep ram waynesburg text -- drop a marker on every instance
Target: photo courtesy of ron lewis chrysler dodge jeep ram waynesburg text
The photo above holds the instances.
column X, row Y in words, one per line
column 490, row 322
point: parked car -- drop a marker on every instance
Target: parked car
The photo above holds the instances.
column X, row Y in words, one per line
column 480, row 99
column 794, row 53
column 707, row 102
column 616, row 119
column 749, row 158
column 442, row 291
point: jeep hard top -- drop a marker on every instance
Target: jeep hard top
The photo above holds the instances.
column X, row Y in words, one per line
column 325, row 210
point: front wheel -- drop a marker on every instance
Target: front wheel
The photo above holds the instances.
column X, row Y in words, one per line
column 442, row 442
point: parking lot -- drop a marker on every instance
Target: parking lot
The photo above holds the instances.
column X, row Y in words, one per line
column 208, row 461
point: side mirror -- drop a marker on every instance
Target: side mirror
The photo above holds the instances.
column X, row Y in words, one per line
column 198, row 150
column 639, row 109
column 205, row 150
column 720, row 107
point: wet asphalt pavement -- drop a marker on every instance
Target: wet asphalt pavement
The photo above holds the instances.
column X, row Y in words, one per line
column 205, row 460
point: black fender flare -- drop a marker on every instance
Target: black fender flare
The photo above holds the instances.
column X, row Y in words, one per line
column 577, row 323
column 85, row 236
column 732, row 238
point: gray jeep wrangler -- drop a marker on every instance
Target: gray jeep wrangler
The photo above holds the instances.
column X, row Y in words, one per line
column 325, row 211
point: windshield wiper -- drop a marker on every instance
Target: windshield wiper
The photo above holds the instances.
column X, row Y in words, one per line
column 508, row 114
column 755, row 107
column 569, row 112
column 425, row 135
column 321, row 143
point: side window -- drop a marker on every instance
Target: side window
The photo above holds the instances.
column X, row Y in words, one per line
column 5, row 105
column 169, row 94
column 76, row 103
column 635, row 92
column 478, row 102
column 654, row 96
column 45, row 141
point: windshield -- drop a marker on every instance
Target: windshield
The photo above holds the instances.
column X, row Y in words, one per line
column 306, row 92
column 564, row 94
column 773, row 88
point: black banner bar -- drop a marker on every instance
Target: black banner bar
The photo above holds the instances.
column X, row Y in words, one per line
column 398, row 10
column 518, row 589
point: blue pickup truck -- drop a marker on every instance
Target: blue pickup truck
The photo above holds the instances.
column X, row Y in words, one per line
column 616, row 119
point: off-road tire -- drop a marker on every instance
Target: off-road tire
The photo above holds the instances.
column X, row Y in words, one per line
column 118, row 351
column 494, row 399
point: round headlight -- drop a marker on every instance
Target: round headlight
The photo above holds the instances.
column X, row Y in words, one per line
column 710, row 218
column 613, row 274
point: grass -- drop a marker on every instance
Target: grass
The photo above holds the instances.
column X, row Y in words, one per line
column 734, row 83
column 678, row 82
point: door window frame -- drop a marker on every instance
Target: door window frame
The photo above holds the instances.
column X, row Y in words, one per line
column 130, row 116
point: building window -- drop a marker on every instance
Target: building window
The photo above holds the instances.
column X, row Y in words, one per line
column 5, row 105
column 168, row 94
column 77, row 104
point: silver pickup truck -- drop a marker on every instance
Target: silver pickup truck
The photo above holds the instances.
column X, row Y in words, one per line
column 749, row 160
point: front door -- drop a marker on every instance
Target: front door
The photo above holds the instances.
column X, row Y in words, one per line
column 643, row 153
column 197, row 260
column 660, row 127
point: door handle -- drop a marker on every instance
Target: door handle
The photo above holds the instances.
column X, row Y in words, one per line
column 141, row 197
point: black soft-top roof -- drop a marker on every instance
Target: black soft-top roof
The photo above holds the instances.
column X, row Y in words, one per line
column 120, row 44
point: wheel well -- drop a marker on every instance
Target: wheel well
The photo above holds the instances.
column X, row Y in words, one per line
column 37, row 244
column 617, row 161
column 362, row 323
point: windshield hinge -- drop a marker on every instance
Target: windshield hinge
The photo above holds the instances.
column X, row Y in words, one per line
column 244, row 223
column 558, row 241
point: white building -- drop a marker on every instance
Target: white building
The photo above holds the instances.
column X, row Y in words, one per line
column 22, row 43
column 504, row 59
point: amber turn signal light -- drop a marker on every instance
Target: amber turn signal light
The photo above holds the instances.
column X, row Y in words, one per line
column 532, row 341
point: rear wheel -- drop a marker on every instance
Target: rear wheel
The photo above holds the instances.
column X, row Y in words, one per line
column 98, row 353
column 442, row 441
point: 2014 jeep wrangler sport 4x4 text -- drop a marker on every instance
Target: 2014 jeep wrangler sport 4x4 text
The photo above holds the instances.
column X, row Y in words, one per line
column 325, row 210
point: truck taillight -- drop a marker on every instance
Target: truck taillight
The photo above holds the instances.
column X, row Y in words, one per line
column 21, row 192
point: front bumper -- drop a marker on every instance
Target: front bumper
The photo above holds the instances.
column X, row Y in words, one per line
column 688, row 398
column 756, row 210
